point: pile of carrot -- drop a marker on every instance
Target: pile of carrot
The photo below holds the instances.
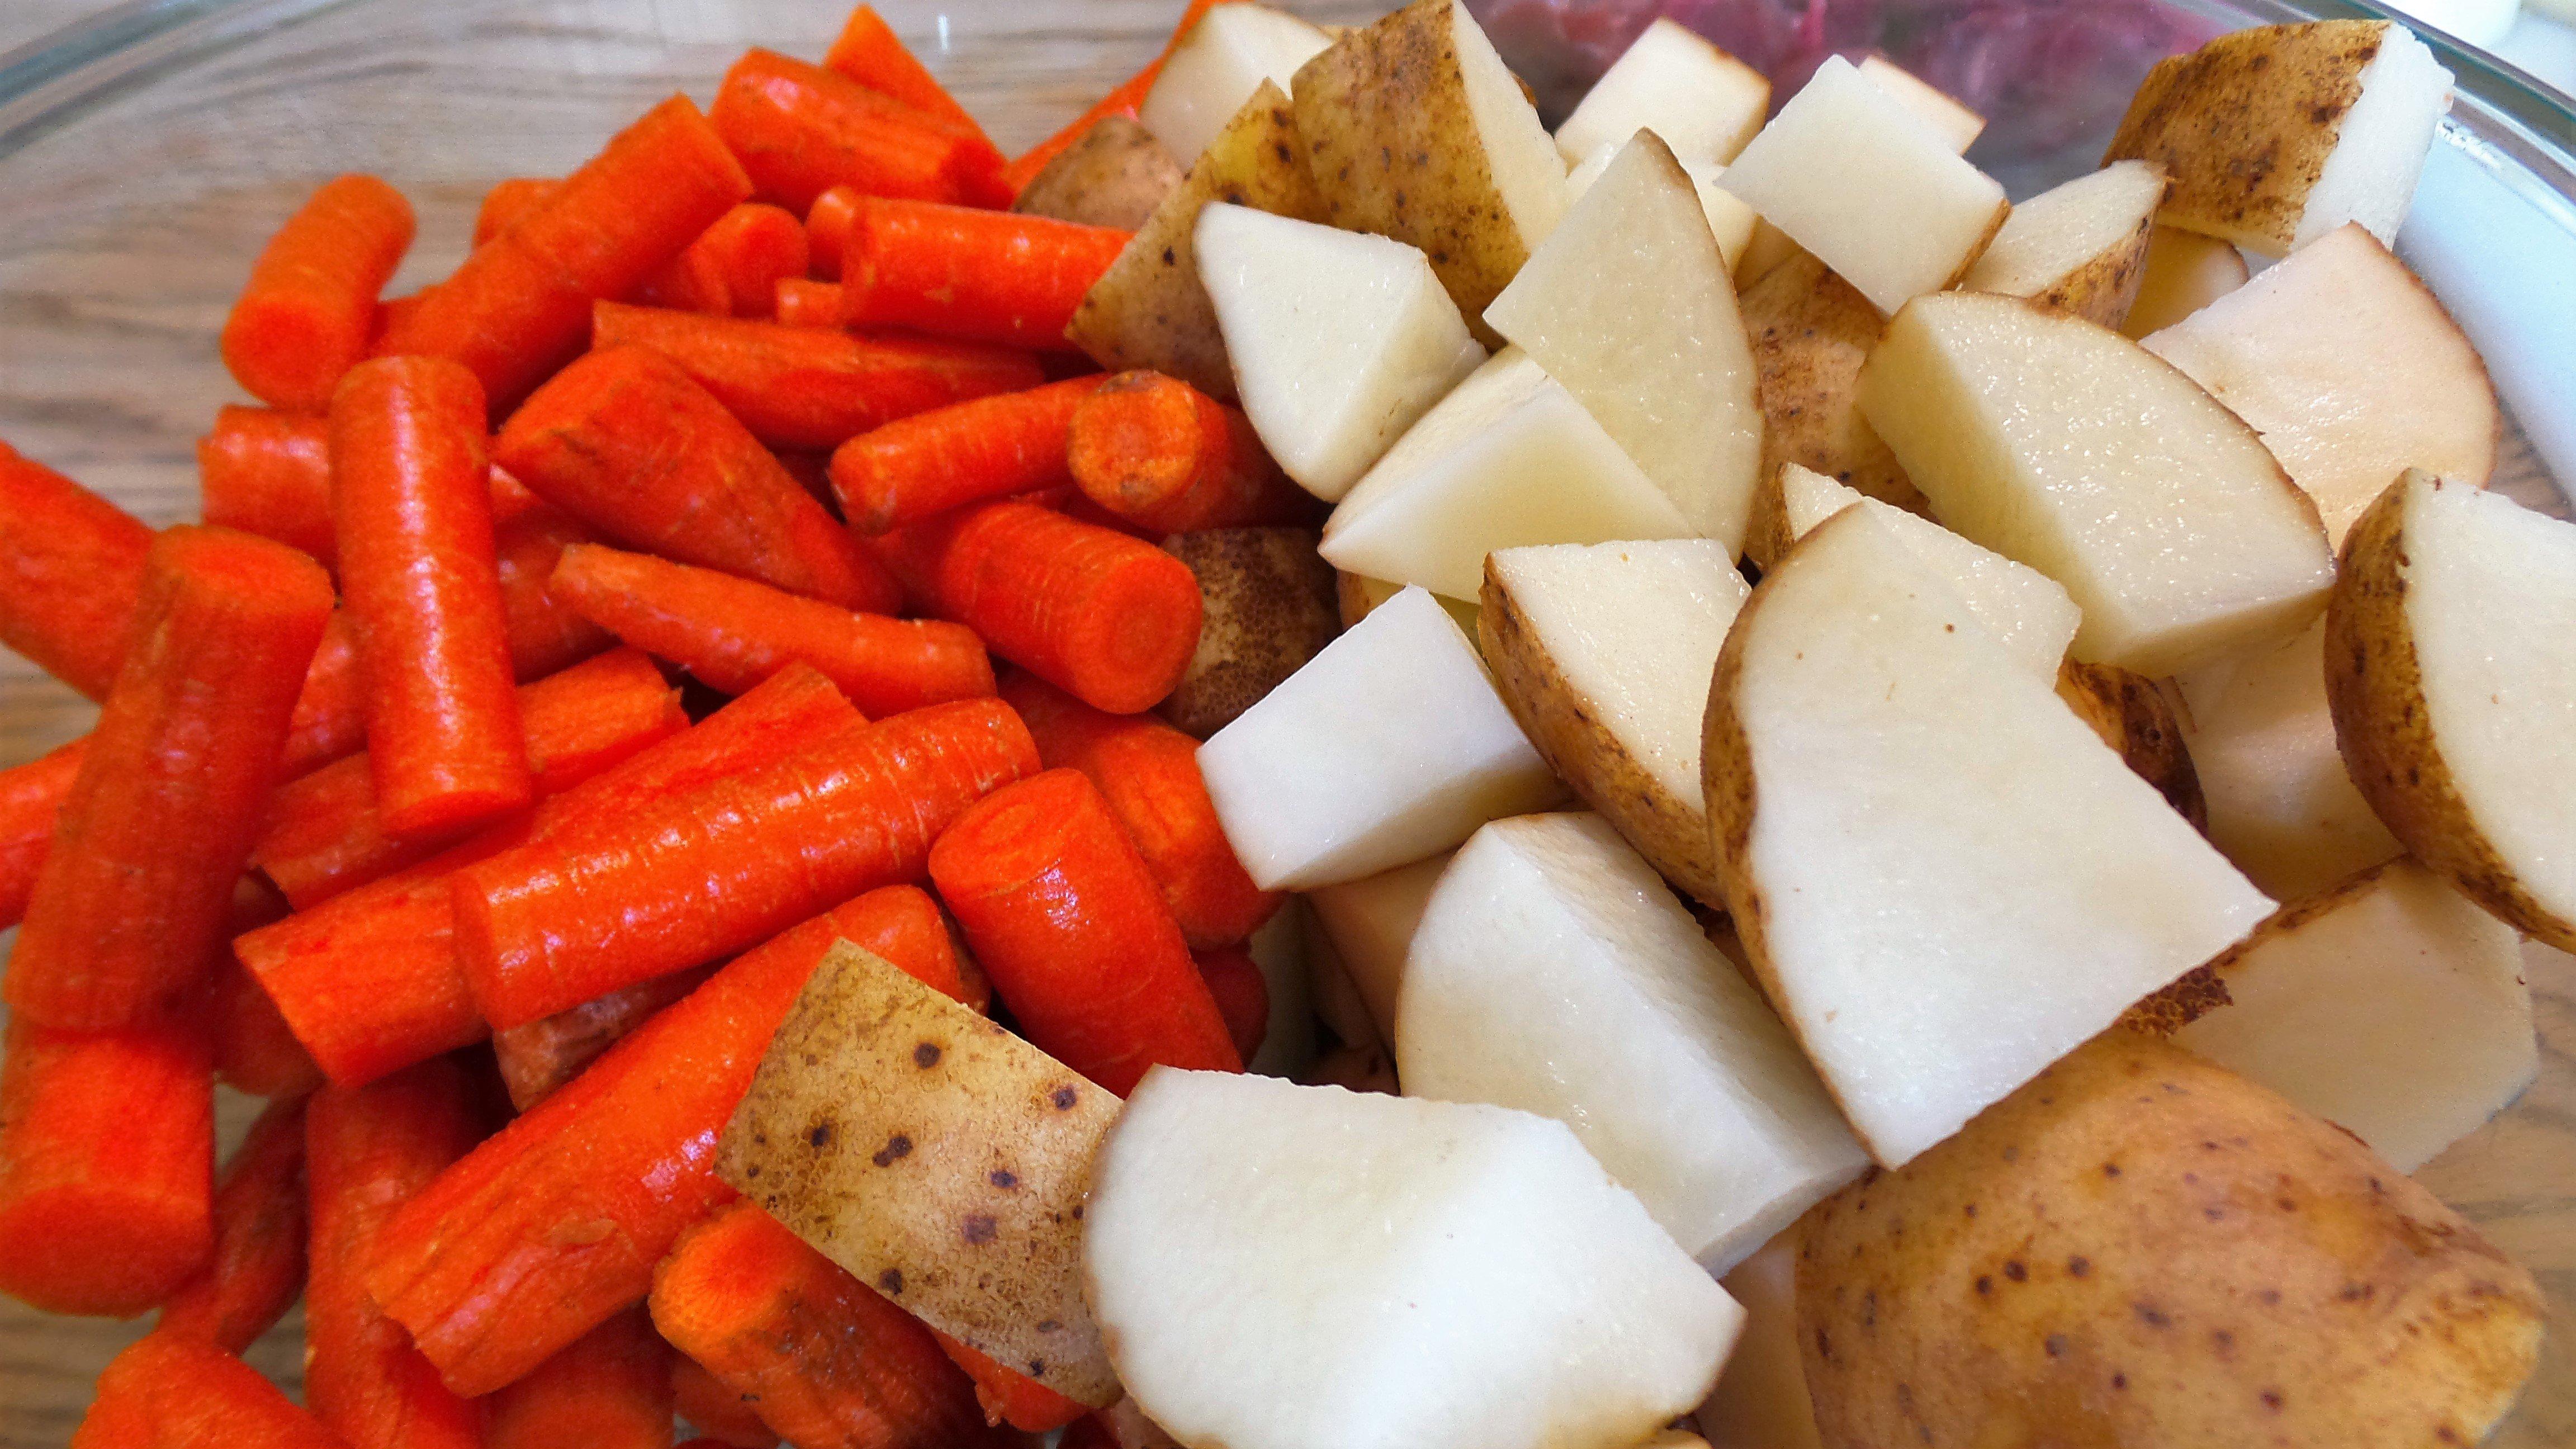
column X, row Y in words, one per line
column 728, row 558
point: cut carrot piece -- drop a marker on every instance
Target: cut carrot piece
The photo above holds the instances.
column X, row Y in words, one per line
column 537, row 1058
column 255, row 1050
column 1242, row 996
column 802, row 387
column 31, row 796
column 810, row 305
column 827, row 232
column 868, row 52
column 987, row 276
column 1149, row 774
column 520, row 305
column 369, row 1151
column 1062, row 911
column 624, row 441
column 608, row 1389
column 1009, row 1396
column 257, row 1269
column 717, row 1411
column 510, row 198
column 732, row 633
column 734, row 268
column 330, row 717
column 71, row 569
column 171, row 1392
column 310, row 308
column 1122, row 100
column 268, row 472
column 107, row 1162
column 802, row 130
column 129, row 908
column 370, row 981
column 829, row 1363
column 967, row 452
column 411, row 498
column 560, row 921
column 1110, row 618
column 1166, row 456
column 326, row 833
column 529, row 536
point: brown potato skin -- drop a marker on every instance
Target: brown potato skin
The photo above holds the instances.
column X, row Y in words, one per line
column 2375, row 688
column 2135, row 719
column 1149, row 309
column 1270, row 606
column 1811, row 331
column 1586, row 754
column 1115, row 176
column 2141, row 1248
column 1767, row 533
column 2103, row 289
column 2244, row 124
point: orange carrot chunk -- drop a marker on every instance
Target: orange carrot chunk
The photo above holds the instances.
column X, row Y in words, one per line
column 257, row 1271
column 167, row 1391
column 869, row 52
column 538, row 1057
column 1242, row 996
column 905, row 928
column 732, row 633
column 255, row 1051
column 812, row 305
column 733, row 269
column 307, row 315
column 1170, row 459
column 129, row 908
column 369, row 1150
column 954, row 271
column 967, row 452
column 558, row 922
column 1149, row 774
column 268, row 472
column 31, row 797
column 1109, row 618
column 1061, row 910
column 1009, row 1396
column 71, row 568
column 827, row 232
column 529, row 536
column 716, row 1410
column 625, row 442
column 107, row 1148
column 520, row 305
column 801, row 387
column 827, row 1361
column 509, row 199
column 802, row 130
column 327, row 834
column 608, row 1389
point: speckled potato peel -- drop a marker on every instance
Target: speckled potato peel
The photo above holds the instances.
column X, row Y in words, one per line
column 1270, row 606
column 1116, row 175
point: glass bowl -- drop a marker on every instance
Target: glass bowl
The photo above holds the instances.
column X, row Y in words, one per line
column 146, row 155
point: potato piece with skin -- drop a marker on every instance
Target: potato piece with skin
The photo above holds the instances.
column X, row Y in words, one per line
column 1269, row 607
column 1704, row 102
column 1216, row 67
column 1115, row 176
column 1149, row 310
column 1356, row 595
column 2275, row 136
column 1415, row 130
column 1811, row 332
column 2135, row 719
column 1729, row 220
column 2447, row 670
column 2140, row 1247
column 2185, row 272
column 940, row 1159
column 1761, row 1400
column 2078, row 248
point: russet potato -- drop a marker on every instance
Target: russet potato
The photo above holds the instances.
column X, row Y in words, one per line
column 1115, row 176
column 1269, row 607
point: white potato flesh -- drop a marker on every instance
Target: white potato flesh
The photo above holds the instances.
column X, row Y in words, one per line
column 1339, row 340
column 1704, row 102
column 1507, row 458
column 1852, row 175
column 1389, row 746
column 1629, row 306
column 2069, row 448
column 1286, row 1267
column 1958, row 882
column 1554, row 972
column 2394, row 1008
column 2028, row 612
column 1519, row 155
column 1371, row 922
column 1761, row 1400
column 2185, row 272
column 2262, row 740
column 2066, row 228
column 2380, row 146
column 1729, row 220
column 1957, row 126
column 1216, row 68
column 2350, row 370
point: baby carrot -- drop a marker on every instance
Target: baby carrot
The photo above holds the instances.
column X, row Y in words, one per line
column 1009, row 1396
column 732, row 633
column 510, row 198
column 869, row 52
column 1062, row 911
column 306, row 316
column 716, row 1410
column 107, row 1148
column 31, row 796
column 829, row 1363
column 608, row 1389
column 257, row 1270
column 734, row 267
column 1110, row 618
column 967, row 452
column 1160, row 453
column 369, row 1150
column 529, row 536
column 167, row 1391
column 802, row 130
column 827, row 231
column 268, row 472
column 803, row 387
column 538, row 1057
column 1242, row 995
column 810, row 304
column 625, row 442
column 954, row 271
column 255, row 1051
column 560, row 921
column 129, row 907
column 71, row 567
column 520, row 305
column 1149, row 774
column 330, row 716
column 412, row 515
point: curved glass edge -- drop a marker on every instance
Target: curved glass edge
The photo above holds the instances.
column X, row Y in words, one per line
column 53, row 80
